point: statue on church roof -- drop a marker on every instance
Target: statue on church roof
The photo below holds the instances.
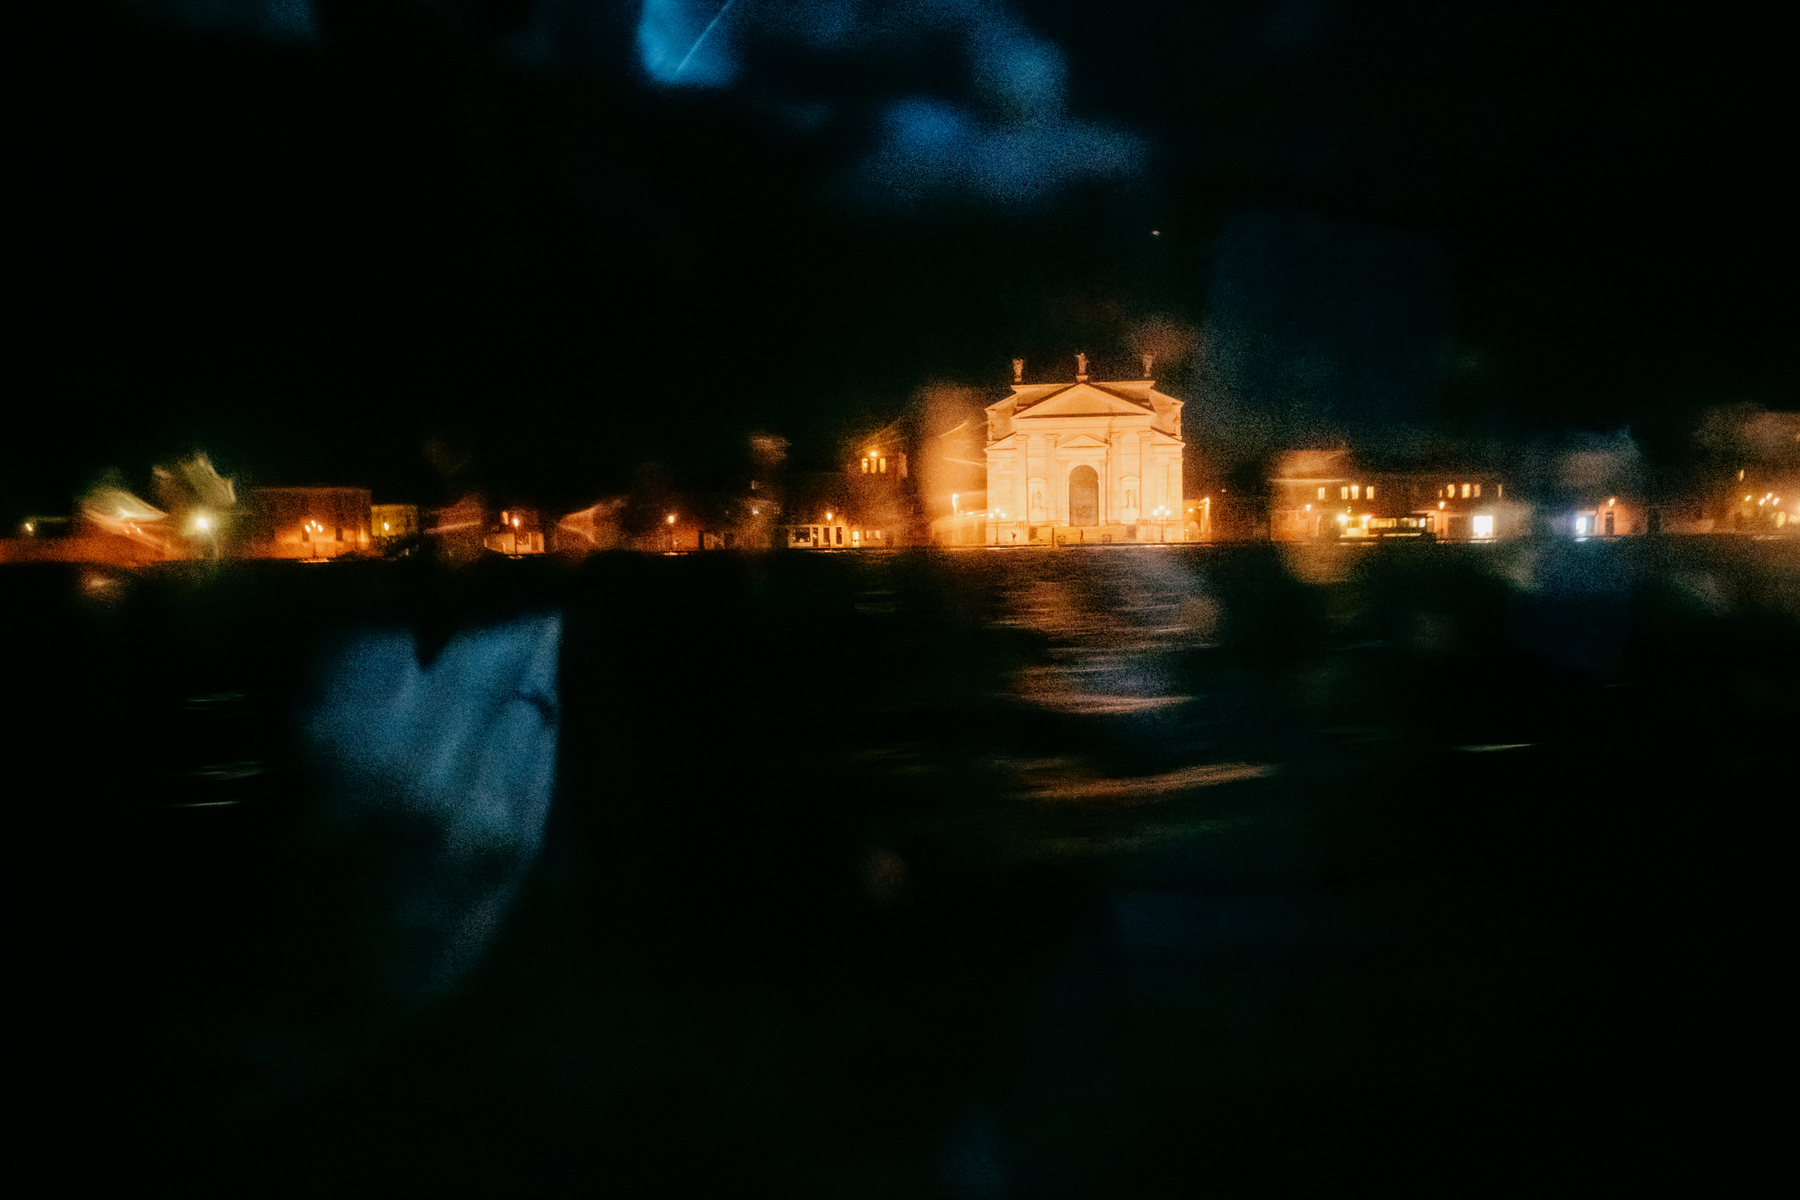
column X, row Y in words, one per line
column 1081, row 366
column 1018, row 370
column 1148, row 359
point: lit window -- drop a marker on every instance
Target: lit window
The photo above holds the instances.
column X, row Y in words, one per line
column 1478, row 489
column 1371, row 491
column 1580, row 526
column 884, row 466
column 1355, row 492
column 1343, row 493
column 1321, row 493
column 865, row 466
column 1465, row 491
column 1484, row 527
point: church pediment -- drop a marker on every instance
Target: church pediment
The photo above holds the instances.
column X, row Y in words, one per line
column 1083, row 400
column 1081, row 442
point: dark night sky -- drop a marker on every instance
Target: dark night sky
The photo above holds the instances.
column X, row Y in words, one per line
column 309, row 240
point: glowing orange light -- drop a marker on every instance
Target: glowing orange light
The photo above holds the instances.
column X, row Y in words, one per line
column 671, row 518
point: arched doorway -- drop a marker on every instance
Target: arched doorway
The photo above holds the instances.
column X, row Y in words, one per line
column 1084, row 496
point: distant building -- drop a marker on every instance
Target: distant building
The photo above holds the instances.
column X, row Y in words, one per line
column 517, row 531
column 65, row 539
column 864, row 507
column 1613, row 517
column 390, row 524
column 304, row 522
column 1080, row 461
column 1760, row 501
column 1327, row 494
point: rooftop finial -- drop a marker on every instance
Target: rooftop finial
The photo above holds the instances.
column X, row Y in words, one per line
column 1018, row 370
column 1081, row 368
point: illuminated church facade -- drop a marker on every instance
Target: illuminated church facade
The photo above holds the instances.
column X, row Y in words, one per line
column 1084, row 462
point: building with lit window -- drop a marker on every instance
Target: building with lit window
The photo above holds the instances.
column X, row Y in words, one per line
column 1327, row 494
column 1081, row 461
column 869, row 505
column 305, row 522
column 517, row 531
column 390, row 524
column 1615, row 516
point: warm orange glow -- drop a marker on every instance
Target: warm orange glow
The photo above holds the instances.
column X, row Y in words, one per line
column 671, row 518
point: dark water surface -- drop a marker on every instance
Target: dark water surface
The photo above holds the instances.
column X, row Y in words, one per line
column 1126, row 871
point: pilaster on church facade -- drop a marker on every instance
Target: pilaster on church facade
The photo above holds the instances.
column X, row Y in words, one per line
column 1088, row 461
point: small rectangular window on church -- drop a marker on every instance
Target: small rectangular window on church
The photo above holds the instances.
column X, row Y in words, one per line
column 1321, row 493
column 1343, row 493
column 1356, row 491
column 1478, row 489
column 884, row 466
column 1371, row 492
column 1465, row 492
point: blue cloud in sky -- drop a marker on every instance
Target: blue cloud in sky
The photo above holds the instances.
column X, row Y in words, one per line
column 687, row 43
column 1018, row 147
column 1006, row 135
column 931, row 146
